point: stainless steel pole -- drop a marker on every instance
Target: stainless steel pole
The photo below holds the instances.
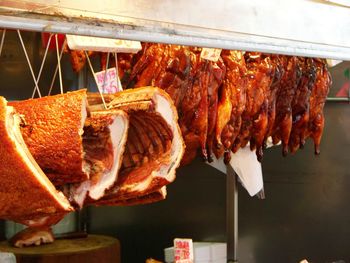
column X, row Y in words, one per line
column 231, row 215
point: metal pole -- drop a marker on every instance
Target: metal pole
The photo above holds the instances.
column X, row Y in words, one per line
column 231, row 215
column 338, row 99
column 82, row 215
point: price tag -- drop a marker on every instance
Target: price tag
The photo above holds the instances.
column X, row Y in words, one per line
column 110, row 80
column 7, row 257
column 212, row 54
column 183, row 250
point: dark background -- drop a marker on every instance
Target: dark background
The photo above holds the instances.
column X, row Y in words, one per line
column 305, row 214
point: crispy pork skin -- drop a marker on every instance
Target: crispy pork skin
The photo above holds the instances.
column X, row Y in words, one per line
column 25, row 192
column 52, row 130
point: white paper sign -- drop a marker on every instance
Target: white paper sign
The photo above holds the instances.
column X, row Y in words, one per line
column 103, row 44
column 7, row 257
column 212, row 54
column 246, row 166
column 183, row 250
column 248, row 169
column 108, row 82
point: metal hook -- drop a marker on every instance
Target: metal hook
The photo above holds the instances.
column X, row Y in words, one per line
column 28, row 61
column 42, row 63
column 93, row 73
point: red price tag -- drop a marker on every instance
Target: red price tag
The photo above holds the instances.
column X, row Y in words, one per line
column 183, row 250
column 108, row 81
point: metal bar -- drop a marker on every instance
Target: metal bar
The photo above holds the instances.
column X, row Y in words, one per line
column 334, row 99
column 59, row 64
column 231, row 215
column 93, row 74
column 82, row 215
column 173, row 34
column 42, row 64
column 56, row 70
column 28, row 60
column 2, row 40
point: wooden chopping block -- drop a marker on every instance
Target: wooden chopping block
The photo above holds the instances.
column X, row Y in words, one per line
column 93, row 249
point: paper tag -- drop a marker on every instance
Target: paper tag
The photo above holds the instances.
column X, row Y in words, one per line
column 333, row 62
column 102, row 44
column 212, row 54
column 183, row 250
column 248, row 169
column 340, row 2
column 7, row 257
column 112, row 81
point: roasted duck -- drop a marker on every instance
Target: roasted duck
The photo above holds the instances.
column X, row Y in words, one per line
column 244, row 97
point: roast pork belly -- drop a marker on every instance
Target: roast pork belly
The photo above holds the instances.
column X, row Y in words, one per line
column 26, row 195
column 104, row 139
column 32, row 236
column 154, row 146
column 53, row 128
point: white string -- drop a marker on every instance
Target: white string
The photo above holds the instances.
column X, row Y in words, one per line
column 30, row 66
column 59, row 64
column 56, row 70
column 105, row 75
column 42, row 63
column 2, row 40
column 93, row 73
column 116, row 68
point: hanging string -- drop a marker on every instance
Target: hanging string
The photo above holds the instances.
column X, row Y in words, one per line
column 59, row 64
column 28, row 61
column 93, row 73
column 105, row 75
column 42, row 64
column 56, row 70
column 117, row 70
column 2, row 40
